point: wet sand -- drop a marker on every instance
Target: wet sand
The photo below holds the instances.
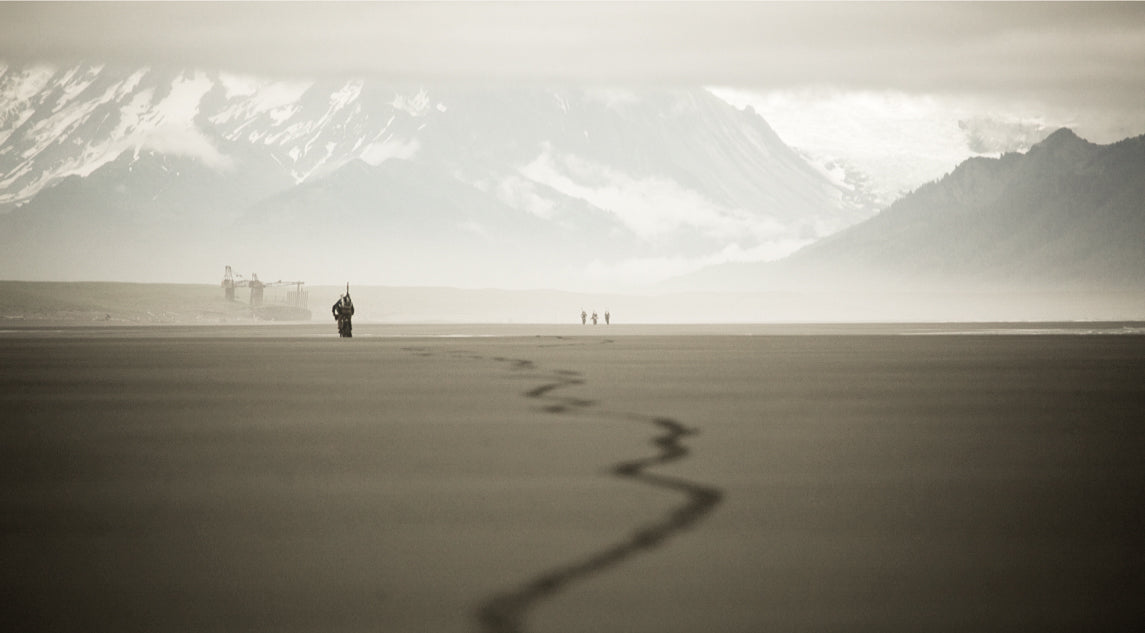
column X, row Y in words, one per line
column 562, row 479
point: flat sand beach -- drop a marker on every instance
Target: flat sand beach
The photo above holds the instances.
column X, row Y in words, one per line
column 559, row 479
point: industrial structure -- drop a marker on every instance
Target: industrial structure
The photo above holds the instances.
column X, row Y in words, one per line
column 293, row 306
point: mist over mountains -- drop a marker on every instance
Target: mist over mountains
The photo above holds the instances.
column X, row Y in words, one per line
column 167, row 176
column 1067, row 215
column 151, row 175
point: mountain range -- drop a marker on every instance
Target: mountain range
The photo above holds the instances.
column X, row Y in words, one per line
column 1066, row 215
column 158, row 175
column 168, row 175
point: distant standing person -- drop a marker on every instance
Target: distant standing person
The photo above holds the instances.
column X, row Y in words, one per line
column 594, row 317
column 583, row 317
column 344, row 309
column 607, row 317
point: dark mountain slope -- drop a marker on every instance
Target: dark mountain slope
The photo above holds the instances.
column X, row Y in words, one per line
column 1068, row 214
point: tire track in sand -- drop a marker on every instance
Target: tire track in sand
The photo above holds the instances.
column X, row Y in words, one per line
column 506, row 611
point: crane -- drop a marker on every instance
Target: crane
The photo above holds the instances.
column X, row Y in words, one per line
column 232, row 280
column 230, row 283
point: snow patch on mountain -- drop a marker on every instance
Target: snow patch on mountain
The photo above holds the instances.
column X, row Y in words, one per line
column 74, row 82
column 417, row 105
column 73, row 122
column 53, row 132
column 16, row 91
column 346, row 95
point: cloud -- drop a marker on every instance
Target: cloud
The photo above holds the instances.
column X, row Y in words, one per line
column 260, row 95
column 174, row 130
column 995, row 135
column 377, row 153
column 652, row 208
column 521, row 194
column 182, row 140
column 1081, row 58
column 1088, row 51
column 902, row 140
column 656, row 210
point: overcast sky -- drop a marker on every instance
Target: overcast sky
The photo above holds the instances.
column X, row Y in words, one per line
column 1089, row 52
column 1082, row 61
column 810, row 68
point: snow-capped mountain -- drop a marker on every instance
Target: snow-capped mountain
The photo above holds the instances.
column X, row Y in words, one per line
column 883, row 145
column 151, row 174
column 1065, row 215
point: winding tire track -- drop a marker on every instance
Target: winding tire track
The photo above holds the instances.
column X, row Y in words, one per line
column 505, row 612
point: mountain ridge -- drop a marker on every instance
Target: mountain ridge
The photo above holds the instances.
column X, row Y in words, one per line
column 1066, row 214
column 621, row 185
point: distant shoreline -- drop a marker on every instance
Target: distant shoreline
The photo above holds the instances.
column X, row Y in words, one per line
column 129, row 303
column 17, row 329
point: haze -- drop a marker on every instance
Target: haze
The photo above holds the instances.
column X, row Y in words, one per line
column 894, row 94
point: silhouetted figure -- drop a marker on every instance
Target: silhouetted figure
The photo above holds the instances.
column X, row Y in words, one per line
column 607, row 317
column 344, row 309
column 594, row 317
column 583, row 317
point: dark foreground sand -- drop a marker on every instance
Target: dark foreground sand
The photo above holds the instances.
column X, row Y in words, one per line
column 572, row 479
